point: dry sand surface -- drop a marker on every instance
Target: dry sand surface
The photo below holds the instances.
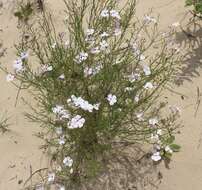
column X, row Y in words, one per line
column 20, row 148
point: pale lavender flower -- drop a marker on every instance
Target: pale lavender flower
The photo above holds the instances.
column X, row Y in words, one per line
column 10, row 77
column 115, row 14
column 68, row 161
column 156, row 156
column 105, row 13
column 51, row 177
column 76, row 122
column 112, row 99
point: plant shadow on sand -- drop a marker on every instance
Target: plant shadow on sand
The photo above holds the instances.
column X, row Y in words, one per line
column 131, row 169
column 190, row 41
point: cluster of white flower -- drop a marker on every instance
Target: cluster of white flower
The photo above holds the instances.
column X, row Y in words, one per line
column 76, row 122
column 67, row 161
column 156, row 156
column 159, row 147
column 113, row 13
column 46, row 68
column 61, row 140
column 92, row 71
column 148, row 85
column 18, row 66
column 10, row 77
column 83, row 104
column 95, row 50
column 112, row 99
column 153, row 121
column 51, row 177
column 61, row 112
column 133, row 77
column 81, row 57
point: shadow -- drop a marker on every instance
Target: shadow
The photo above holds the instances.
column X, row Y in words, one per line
column 131, row 169
column 190, row 41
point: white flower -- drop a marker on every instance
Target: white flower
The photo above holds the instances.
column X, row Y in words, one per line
column 51, row 177
column 10, row 77
column 112, row 99
column 103, row 45
column 148, row 85
column 104, row 34
column 95, row 50
column 96, row 106
column 104, row 13
column 128, row 89
column 140, row 116
column 61, row 112
column 159, row 132
column 24, row 55
column 153, row 121
column 88, row 71
column 82, row 57
column 168, row 149
column 134, row 77
column 67, row 43
column 54, row 45
column 90, row 32
column 154, row 137
column 156, row 156
column 61, row 140
column 76, row 122
column 68, row 161
column 83, row 104
column 62, row 77
column 46, row 68
column 115, row 14
column 18, row 65
column 142, row 57
column 57, row 109
column 146, row 69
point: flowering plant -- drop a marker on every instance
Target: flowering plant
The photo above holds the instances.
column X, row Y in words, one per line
column 96, row 85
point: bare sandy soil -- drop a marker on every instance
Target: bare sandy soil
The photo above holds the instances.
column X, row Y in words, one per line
column 19, row 148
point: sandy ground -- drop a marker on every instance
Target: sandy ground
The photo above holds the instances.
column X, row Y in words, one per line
column 20, row 148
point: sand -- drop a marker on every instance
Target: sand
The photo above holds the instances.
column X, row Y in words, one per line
column 19, row 148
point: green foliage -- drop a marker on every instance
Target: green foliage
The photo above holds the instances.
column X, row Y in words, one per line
column 24, row 12
column 175, row 147
column 197, row 4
